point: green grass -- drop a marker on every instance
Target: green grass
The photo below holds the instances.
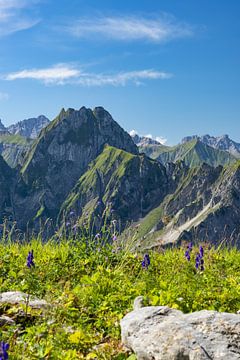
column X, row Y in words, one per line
column 15, row 139
column 91, row 288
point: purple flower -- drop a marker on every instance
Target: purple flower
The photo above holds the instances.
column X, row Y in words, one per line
column 201, row 252
column 30, row 262
column 146, row 261
column 114, row 237
column 72, row 213
column 187, row 255
column 3, row 350
column 187, row 252
column 197, row 261
column 68, row 223
column 97, row 236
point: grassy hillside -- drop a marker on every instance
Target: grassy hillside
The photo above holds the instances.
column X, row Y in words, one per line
column 91, row 286
column 194, row 153
column 15, row 139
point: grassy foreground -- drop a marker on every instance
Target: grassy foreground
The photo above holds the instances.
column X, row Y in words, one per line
column 90, row 288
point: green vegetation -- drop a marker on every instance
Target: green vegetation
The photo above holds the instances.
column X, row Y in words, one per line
column 193, row 152
column 15, row 139
column 91, row 286
column 110, row 165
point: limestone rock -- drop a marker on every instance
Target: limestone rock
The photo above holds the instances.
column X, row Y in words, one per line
column 18, row 297
column 162, row 333
column 6, row 320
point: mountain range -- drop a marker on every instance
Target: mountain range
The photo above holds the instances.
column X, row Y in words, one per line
column 83, row 167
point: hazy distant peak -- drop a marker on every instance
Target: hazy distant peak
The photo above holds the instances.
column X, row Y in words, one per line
column 222, row 142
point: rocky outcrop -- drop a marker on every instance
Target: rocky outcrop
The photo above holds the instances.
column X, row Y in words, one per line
column 29, row 128
column 13, row 148
column 18, row 297
column 2, row 127
column 162, row 333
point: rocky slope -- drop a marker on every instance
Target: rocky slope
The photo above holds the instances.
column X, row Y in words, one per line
column 16, row 140
column 204, row 207
column 29, row 128
column 220, row 142
column 13, row 148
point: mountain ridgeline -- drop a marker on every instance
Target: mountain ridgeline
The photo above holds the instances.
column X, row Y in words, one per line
column 83, row 166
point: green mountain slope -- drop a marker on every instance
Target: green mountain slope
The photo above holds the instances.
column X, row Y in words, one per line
column 132, row 184
column 193, row 153
column 13, row 148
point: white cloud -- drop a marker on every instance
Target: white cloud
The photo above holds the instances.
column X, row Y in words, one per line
column 3, row 96
column 161, row 139
column 53, row 75
column 64, row 74
column 127, row 28
column 12, row 18
column 149, row 136
column 133, row 133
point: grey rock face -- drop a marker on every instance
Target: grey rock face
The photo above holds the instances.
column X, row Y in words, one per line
column 29, row 128
column 2, row 127
column 18, row 297
column 162, row 333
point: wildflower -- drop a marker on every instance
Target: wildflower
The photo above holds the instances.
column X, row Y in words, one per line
column 197, row 261
column 187, row 252
column 68, row 223
column 200, row 260
column 146, row 261
column 30, row 262
column 114, row 237
column 187, row 255
column 97, row 236
column 72, row 213
column 3, row 350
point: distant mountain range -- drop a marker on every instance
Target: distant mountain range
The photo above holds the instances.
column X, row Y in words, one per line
column 194, row 150
column 16, row 139
column 220, row 142
column 83, row 167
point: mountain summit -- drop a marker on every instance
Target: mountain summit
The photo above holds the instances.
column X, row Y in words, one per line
column 29, row 128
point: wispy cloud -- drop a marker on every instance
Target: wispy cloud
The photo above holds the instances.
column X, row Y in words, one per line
column 66, row 74
column 12, row 17
column 4, row 96
column 162, row 140
column 128, row 28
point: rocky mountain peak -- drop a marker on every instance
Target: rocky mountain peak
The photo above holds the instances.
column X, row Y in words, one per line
column 29, row 128
column 2, row 127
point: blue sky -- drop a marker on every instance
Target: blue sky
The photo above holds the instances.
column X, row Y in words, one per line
column 166, row 68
